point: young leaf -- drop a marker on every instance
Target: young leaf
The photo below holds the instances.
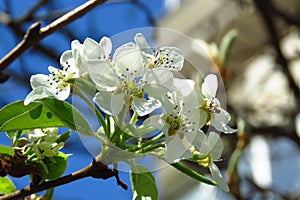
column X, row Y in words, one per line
column 191, row 173
column 6, row 185
column 56, row 166
column 68, row 115
column 6, row 150
column 226, row 44
column 16, row 116
column 143, row 183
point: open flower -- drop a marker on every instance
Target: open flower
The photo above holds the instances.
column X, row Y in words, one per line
column 53, row 85
column 121, row 81
column 179, row 122
column 216, row 115
column 166, row 57
column 206, row 150
column 89, row 50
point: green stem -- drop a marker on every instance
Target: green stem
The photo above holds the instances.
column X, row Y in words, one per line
column 150, row 148
column 146, row 144
column 134, row 118
column 191, row 173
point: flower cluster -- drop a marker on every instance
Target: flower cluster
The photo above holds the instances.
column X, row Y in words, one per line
column 138, row 92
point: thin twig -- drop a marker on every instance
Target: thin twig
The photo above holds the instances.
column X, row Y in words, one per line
column 35, row 33
column 95, row 170
column 263, row 7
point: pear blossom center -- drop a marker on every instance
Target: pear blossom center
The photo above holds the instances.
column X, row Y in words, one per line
column 160, row 58
column 130, row 87
column 211, row 105
column 58, row 78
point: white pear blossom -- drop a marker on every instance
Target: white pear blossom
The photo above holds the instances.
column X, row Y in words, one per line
column 52, row 85
column 44, row 142
column 207, row 50
column 179, row 122
column 89, row 50
column 121, row 81
column 206, row 150
column 216, row 115
column 166, row 57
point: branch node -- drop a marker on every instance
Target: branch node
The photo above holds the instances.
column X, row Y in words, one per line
column 33, row 31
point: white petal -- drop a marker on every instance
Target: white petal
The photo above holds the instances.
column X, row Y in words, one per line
column 118, row 103
column 63, row 94
column 210, row 86
column 175, row 58
column 220, row 120
column 144, row 107
column 199, row 140
column 155, row 121
column 216, row 176
column 109, row 103
column 37, row 93
column 159, row 92
column 67, row 58
column 215, row 145
column 53, row 70
column 92, row 50
column 185, row 86
column 39, row 80
column 78, row 59
column 142, row 44
column 174, row 149
column 106, row 45
column 129, row 63
column 102, row 74
column 160, row 76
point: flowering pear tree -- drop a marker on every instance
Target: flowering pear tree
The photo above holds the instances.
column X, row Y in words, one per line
column 142, row 108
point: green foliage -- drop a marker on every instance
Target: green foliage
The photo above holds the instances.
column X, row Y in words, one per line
column 226, row 44
column 46, row 113
column 68, row 115
column 6, row 185
column 56, row 166
column 16, row 116
column 143, row 183
column 191, row 173
column 6, row 150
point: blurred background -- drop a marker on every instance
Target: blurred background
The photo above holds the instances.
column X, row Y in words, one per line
column 261, row 79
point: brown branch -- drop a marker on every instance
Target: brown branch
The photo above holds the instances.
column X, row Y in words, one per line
column 35, row 33
column 95, row 170
column 263, row 6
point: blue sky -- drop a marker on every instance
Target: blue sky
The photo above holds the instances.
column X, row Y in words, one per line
column 108, row 20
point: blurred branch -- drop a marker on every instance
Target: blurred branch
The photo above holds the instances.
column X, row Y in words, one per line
column 266, row 13
column 95, row 170
column 29, row 15
column 289, row 19
column 35, row 33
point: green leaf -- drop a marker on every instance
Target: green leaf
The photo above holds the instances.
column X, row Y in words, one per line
column 226, row 44
column 46, row 113
column 16, row 116
column 68, row 115
column 143, row 183
column 6, row 185
column 56, row 166
column 6, row 150
column 191, row 173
